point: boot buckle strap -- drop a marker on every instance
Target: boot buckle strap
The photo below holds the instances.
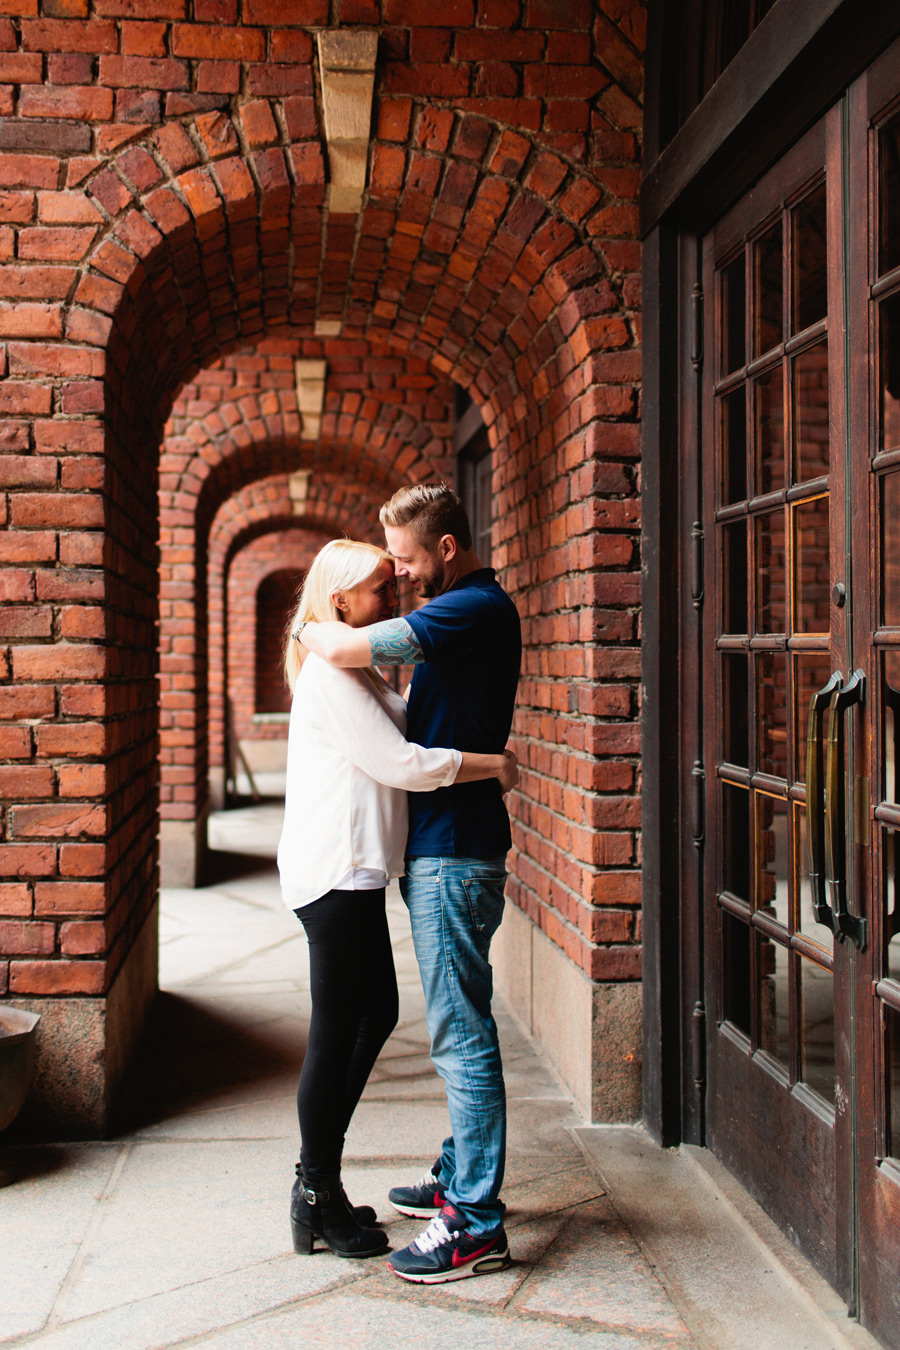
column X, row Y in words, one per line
column 313, row 1197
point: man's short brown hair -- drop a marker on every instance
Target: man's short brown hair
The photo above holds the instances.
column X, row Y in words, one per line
column 432, row 509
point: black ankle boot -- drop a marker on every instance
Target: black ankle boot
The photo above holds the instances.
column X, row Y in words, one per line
column 363, row 1214
column 320, row 1211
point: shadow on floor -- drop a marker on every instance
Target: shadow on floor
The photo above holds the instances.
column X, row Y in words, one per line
column 195, row 1056
column 220, row 866
column 20, row 1163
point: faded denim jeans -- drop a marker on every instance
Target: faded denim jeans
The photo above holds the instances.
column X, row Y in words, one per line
column 455, row 907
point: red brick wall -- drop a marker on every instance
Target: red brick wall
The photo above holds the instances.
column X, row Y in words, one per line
column 161, row 190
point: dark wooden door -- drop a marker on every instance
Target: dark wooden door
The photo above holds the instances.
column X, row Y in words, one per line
column 872, row 277
column 800, row 418
column 774, row 482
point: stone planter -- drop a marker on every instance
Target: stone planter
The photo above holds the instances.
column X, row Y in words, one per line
column 17, row 1033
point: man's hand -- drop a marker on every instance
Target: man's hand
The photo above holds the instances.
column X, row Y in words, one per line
column 509, row 777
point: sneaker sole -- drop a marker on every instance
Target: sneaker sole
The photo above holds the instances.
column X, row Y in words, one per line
column 487, row 1265
column 417, row 1211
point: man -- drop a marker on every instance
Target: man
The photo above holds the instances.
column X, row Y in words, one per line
column 466, row 647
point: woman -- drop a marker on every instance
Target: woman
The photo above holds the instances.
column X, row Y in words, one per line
column 345, row 823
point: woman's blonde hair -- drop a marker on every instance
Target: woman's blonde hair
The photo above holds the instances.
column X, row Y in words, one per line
column 339, row 566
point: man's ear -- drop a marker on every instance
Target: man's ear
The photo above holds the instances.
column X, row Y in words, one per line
column 448, row 547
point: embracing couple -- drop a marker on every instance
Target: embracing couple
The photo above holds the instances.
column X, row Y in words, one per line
column 376, row 789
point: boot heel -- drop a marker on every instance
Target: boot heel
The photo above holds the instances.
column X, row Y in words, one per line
column 303, row 1238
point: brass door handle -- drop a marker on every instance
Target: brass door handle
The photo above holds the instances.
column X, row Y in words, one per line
column 846, row 925
column 815, row 799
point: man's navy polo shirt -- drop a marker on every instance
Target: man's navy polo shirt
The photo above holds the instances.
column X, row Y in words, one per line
column 463, row 697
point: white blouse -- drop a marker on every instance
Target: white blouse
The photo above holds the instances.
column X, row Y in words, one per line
column 349, row 767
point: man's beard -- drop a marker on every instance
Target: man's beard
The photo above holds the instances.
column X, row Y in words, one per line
column 433, row 584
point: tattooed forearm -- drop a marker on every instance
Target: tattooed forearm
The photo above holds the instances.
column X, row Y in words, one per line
column 393, row 643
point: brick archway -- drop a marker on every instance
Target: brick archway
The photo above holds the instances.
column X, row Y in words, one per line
column 265, row 509
column 496, row 244
column 384, row 422
column 281, row 556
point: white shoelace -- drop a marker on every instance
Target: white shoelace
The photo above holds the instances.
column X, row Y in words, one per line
column 426, row 1179
column 436, row 1235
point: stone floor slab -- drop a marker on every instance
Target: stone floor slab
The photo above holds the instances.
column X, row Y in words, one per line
column 596, row 1270
column 182, row 1214
column 352, row 1320
column 49, row 1199
column 196, row 1309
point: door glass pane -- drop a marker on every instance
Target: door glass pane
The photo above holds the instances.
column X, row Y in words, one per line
column 890, row 712
column 889, row 371
column 806, row 919
column 812, row 574
column 734, row 566
column 890, row 550
column 889, row 846
column 771, row 713
column 817, row 1028
column 768, row 430
column 809, row 375
column 774, row 1000
column 735, row 735
column 892, row 1057
column 810, row 303
column 889, row 175
column 736, row 971
column 771, row 856
column 811, row 672
column 768, row 287
column 771, row 573
column 736, row 841
column 734, row 309
column 734, row 446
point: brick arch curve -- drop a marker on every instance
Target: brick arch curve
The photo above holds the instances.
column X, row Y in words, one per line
column 507, row 236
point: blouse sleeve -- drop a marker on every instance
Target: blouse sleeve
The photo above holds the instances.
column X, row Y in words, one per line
column 359, row 727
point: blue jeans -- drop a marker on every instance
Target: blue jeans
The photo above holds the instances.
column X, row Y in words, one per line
column 455, row 907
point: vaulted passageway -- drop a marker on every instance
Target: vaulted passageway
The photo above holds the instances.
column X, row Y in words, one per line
column 494, row 249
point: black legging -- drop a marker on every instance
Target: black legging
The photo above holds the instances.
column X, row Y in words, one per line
column 354, row 1010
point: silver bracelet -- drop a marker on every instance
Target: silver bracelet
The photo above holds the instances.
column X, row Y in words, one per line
column 298, row 630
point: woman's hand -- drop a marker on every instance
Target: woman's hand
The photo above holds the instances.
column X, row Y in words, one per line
column 475, row 768
column 509, row 774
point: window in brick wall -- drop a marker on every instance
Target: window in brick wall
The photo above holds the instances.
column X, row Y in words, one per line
column 473, row 471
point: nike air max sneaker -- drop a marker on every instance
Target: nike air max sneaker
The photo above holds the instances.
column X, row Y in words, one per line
column 445, row 1251
column 423, row 1200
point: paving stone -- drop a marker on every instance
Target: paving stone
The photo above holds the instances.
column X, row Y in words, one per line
column 198, row 1308
column 596, row 1270
column 49, row 1197
column 179, row 1215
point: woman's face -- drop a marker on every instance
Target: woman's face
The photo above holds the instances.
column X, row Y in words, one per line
column 372, row 600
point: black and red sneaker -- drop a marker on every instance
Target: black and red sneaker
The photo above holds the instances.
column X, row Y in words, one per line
column 424, row 1199
column 445, row 1251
